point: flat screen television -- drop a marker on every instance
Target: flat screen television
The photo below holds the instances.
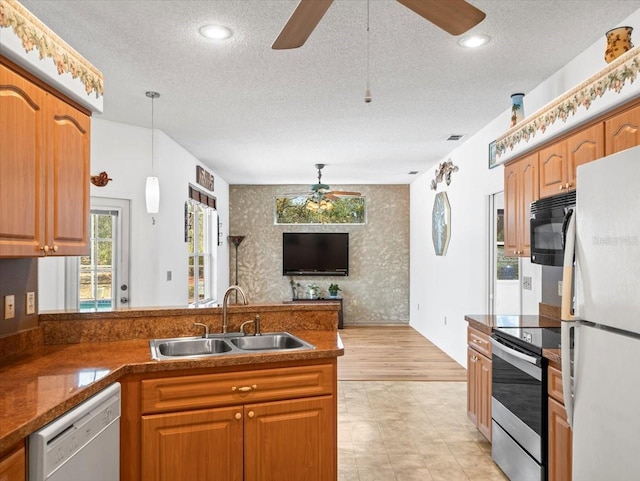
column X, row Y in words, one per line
column 315, row 254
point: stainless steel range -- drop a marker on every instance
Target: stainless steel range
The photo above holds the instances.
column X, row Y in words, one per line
column 519, row 400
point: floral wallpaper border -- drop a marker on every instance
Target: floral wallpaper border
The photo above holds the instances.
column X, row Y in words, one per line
column 612, row 78
column 36, row 35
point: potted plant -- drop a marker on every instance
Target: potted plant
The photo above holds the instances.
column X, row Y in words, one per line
column 333, row 290
column 312, row 291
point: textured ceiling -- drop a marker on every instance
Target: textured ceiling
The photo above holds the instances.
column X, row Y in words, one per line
column 260, row 116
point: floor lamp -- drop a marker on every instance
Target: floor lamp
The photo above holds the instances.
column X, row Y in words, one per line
column 236, row 240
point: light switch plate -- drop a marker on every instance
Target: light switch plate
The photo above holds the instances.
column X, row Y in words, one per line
column 30, row 305
column 9, row 306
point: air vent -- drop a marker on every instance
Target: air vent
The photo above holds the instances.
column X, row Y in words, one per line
column 455, row 136
column 413, row 172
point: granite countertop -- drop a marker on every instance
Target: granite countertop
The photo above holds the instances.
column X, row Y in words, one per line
column 487, row 323
column 40, row 385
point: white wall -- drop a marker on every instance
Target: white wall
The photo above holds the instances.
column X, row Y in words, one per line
column 457, row 284
column 124, row 152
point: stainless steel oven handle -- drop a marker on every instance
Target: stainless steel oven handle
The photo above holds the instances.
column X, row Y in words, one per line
column 524, row 357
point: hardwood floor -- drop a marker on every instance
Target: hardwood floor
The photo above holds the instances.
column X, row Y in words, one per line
column 394, row 353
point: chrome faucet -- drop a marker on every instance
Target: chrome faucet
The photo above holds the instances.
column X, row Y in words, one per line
column 224, row 304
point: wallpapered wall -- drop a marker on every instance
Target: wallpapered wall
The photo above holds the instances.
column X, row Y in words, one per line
column 377, row 288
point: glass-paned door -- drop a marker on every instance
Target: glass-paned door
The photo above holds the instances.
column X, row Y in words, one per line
column 99, row 280
column 97, row 270
column 504, row 277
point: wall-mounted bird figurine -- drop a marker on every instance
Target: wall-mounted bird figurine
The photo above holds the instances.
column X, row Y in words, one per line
column 443, row 172
column 101, row 179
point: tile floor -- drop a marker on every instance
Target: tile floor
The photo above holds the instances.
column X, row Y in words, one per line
column 408, row 430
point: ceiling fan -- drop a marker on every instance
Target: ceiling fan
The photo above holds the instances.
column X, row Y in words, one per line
column 321, row 196
column 453, row 16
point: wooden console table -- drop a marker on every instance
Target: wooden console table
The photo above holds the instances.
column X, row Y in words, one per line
column 324, row 300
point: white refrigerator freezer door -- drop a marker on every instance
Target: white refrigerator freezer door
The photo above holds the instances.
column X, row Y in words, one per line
column 606, row 422
column 608, row 241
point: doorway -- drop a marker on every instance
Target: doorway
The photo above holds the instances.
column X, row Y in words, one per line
column 100, row 280
column 504, row 272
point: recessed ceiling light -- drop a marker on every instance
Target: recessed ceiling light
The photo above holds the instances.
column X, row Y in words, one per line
column 216, row 32
column 474, row 41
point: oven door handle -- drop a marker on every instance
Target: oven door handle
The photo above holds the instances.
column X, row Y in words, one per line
column 524, row 357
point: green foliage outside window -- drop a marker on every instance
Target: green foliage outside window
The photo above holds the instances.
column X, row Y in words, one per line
column 346, row 210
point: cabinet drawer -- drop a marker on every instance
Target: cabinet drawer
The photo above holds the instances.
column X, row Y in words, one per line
column 554, row 387
column 479, row 341
column 210, row 390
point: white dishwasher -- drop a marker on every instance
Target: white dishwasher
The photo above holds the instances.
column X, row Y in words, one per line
column 83, row 444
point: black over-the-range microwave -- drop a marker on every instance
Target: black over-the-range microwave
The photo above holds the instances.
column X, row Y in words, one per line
column 549, row 219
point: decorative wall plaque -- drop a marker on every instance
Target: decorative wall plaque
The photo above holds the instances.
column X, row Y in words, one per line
column 204, row 178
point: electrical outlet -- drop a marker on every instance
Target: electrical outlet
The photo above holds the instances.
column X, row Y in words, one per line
column 168, row 275
column 445, row 320
column 560, row 288
column 30, row 305
column 9, row 307
column 526, row 283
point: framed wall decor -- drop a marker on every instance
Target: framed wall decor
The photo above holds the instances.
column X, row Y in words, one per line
column 441, row 223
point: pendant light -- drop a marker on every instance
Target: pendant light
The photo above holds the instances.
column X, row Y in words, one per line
column 152, row 189
column 367, row 92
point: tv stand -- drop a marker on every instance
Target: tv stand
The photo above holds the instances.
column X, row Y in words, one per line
column 337, row 300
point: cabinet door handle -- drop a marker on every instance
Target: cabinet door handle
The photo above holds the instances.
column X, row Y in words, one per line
column 238, row 416
column 251, row 414
column 45, row 249
column 245, row 388
column 54, row 248
column 478, row 341
column 474, row 358
column 562, row 187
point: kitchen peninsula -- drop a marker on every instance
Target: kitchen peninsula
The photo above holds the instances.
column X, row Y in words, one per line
column 77, row 354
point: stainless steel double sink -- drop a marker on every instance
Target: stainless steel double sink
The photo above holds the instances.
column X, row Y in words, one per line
column 216, row 345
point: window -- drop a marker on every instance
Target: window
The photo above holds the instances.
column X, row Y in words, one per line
column 201, row 222
column 304, row 210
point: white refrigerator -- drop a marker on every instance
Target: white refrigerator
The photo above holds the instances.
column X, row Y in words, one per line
column 604, row 405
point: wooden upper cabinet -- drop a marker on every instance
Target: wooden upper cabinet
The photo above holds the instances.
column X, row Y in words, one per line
column 553, row 169
column 622, row 131
column 521, row 188
column 68, row 142
column 22, row 181
column 559, row 161
column 583, row 147
column 44, row 171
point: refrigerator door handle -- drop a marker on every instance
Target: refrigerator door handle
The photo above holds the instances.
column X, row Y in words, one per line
column 566, row 369
column 567, row 269
column 568, row 319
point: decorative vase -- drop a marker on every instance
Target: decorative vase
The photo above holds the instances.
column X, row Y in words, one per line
column 517, row 108
column 618, row 42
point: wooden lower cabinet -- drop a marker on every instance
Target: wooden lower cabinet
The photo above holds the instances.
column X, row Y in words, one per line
column 289, row 440
column 479, row 370
column 13, row 466
column 270, row 424
column 560, row 435
column 194, row 445
column 560, row 439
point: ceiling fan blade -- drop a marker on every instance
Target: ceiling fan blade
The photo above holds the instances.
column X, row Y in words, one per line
column 302, row 22
column 344, row 193
column 452, row 16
